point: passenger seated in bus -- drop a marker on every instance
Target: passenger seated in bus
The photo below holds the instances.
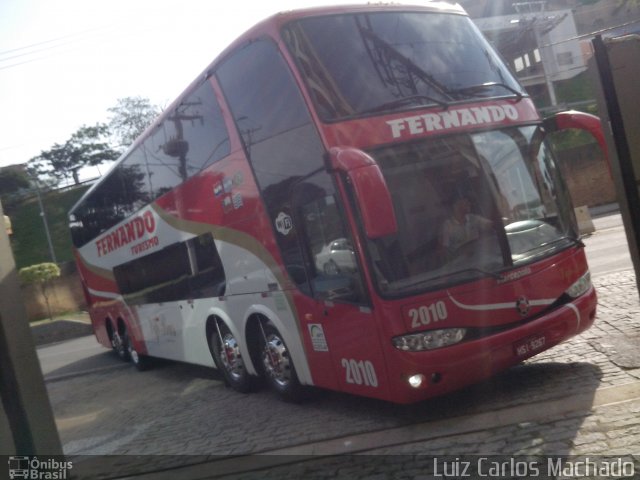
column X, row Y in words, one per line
column 462, row 227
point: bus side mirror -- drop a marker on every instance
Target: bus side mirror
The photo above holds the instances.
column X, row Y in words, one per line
column 372, row 194
column 581, row 121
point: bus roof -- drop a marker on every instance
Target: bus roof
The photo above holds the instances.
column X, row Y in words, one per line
column 442, row 6
column 271, row 25
column 276, row 21
column 429, row 6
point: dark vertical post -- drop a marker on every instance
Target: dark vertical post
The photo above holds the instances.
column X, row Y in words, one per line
column 25, row 403
column 622, row 134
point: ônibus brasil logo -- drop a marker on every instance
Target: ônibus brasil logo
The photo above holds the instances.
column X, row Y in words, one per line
column 37, row 469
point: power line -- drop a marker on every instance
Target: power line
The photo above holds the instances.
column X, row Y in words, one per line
column 38, row 56
column 45, row 49
column 35, row 52
column 52, row 40
column 592, row 34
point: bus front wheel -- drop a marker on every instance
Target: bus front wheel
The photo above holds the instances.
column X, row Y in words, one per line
column 278, row 367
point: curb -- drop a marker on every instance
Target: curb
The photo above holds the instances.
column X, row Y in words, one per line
column 59, row 331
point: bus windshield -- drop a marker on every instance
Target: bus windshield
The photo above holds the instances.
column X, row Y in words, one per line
column 468, row 206
column 359, row 64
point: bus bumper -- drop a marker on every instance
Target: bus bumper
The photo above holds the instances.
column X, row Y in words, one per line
column 455, row 367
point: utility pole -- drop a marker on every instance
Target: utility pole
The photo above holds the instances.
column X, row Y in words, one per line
column 545, row 59
column 52, row 252
column 540, row 26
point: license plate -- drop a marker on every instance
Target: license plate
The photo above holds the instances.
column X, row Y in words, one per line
column 530, row 345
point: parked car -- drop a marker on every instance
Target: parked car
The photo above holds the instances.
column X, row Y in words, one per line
column 336, row 257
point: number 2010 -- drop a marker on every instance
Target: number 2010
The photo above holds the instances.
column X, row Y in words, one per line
column 426, row 314
column 360, row 372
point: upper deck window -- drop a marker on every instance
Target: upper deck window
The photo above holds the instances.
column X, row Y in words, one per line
column 192, row 137
column 358, row 64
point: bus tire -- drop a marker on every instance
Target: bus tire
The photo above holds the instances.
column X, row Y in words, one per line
column 228, row 359
column 277, row 365
column 140, row 361
column 119, row 340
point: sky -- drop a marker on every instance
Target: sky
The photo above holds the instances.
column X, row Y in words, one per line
column 63, row 63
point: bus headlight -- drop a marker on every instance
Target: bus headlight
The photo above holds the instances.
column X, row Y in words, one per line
column 430, row 340
column 580, row 286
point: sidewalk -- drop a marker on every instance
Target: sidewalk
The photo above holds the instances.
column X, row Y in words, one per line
column 602, row 210
column 65, row 327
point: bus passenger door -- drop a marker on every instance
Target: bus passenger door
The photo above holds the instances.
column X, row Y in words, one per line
column 342, row 324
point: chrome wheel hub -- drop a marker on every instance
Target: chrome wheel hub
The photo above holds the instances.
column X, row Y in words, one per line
column 275, row 358
column 230, row 357
column 116, row 341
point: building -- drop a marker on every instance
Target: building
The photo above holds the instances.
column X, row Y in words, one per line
column 549, row 41
column 548, row 45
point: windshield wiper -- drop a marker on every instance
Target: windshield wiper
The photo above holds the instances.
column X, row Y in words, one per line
column 419, row 100
column 474, row 90
column 486, row 273
column 440, row 278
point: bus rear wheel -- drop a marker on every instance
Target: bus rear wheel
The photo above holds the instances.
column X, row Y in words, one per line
column 119, row 341
column 277, row 365
column 140, row 361
column 228, row 359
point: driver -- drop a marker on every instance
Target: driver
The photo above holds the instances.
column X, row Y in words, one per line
column 462, row 227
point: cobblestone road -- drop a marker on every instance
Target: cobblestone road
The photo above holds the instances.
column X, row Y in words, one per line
column 582, row 397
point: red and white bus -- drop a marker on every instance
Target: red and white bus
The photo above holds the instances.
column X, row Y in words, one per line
column 356, row 198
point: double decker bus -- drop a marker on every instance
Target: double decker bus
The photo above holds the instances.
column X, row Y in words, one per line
column 359, row 198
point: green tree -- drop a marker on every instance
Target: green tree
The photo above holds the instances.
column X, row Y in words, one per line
column 130, row 117
column 41, row 275
column 12, row 179
column 89, row 146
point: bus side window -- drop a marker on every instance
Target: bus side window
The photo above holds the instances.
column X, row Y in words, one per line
column 333, row 268
column 280, row 139
column 181, row 271
column 187, row 141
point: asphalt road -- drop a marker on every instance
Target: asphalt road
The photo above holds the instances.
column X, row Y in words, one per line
column 62, row 359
